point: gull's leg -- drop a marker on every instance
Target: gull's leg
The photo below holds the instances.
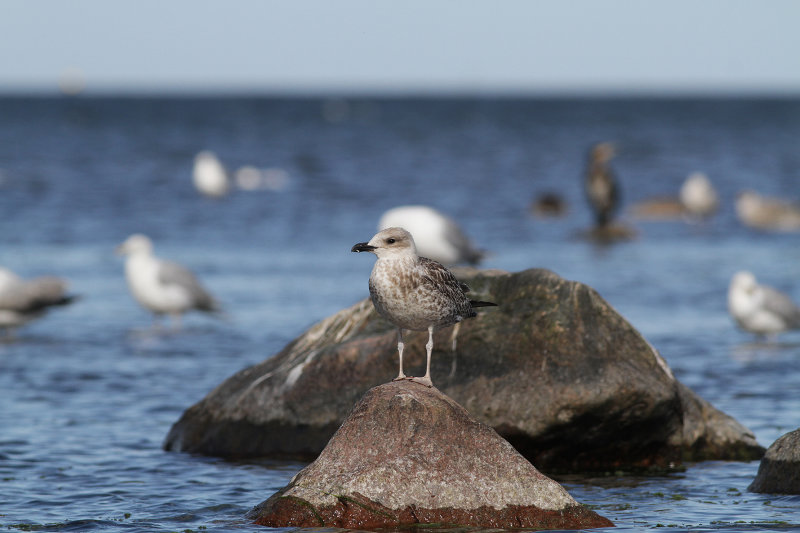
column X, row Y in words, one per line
column 426, row 379
column 400, row 347
column 454, row 338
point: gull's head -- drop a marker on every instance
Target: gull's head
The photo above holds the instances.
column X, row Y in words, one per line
column 389, row 243
column 135, row 244
column 7, row 278
column 697, row 194
column 744, row 297
column 205, row 156
column 743, row 282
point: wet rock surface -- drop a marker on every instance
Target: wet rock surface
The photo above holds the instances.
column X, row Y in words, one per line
column 555, row 370
column 407, row 454
column 779, row 471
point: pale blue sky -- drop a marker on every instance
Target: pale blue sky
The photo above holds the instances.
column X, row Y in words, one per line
column 367, row 46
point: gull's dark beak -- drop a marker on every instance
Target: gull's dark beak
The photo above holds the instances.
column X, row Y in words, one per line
column 362, row 247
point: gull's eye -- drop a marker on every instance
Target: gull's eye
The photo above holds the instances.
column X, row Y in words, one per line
column 390, row 240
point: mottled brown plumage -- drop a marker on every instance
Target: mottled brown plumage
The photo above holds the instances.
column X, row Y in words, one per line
column 414, row 292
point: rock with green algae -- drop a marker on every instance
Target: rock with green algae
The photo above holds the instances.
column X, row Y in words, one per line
column 554, row 369
column 407, row 455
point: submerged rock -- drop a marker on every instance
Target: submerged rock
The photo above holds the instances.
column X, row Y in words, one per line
column 779, row 471
column 612, row 233
column 555, row 370
column 407, row 454
column 658, row 209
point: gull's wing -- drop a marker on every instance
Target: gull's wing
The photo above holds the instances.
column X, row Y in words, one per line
column 437, row 279
column 170, row 273
column 457, row 238
column 34, row 295
column 779, row 303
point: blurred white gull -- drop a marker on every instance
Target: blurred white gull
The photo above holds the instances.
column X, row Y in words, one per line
column 698, row 196
column 24, row 300
column 437, row 236
column 209, row 175
column 250, row 178
column 162, row 287
column 765, row 213
column 697, row 199
column 760, row 309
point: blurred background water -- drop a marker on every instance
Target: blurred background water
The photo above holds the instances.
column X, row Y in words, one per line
column 88, row 393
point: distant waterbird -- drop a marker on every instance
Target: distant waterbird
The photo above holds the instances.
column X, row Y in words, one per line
column 696, row 200
column 759, row 308
column 209, row 175
column 436, row 235
column 414, row 292
column 765, row 213
column 600, row 185
column 250, row 178
column 549, row 204
column 698, row 196
column 22, row 301
column 163, row 287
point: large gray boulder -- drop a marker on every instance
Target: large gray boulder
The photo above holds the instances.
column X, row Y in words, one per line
column 554, row 369
column 407, row 455
column 779, row 471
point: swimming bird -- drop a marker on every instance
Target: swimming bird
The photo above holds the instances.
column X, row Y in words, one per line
column 209, row 175
column 765, row 213
column 414, row 292
column 760, row 309
column 548, row 204
column 601, row 186
column 698, row 196
column 24, row 300
column 162, row 287
column 697, row 199
column 436, row 235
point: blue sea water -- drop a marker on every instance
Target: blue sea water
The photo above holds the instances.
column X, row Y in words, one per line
column 88, row 393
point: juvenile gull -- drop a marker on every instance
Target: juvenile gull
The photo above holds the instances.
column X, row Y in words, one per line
column 436, row 235
column 760, row 309
column 162, row 287
column 24, row 300
column 414, row 292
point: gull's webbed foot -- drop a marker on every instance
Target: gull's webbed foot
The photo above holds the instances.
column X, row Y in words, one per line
column 422, row 381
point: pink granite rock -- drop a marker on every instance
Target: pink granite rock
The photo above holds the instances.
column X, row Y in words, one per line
column 407, row 454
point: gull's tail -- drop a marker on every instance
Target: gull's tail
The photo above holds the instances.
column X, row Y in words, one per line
column 475, row 303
